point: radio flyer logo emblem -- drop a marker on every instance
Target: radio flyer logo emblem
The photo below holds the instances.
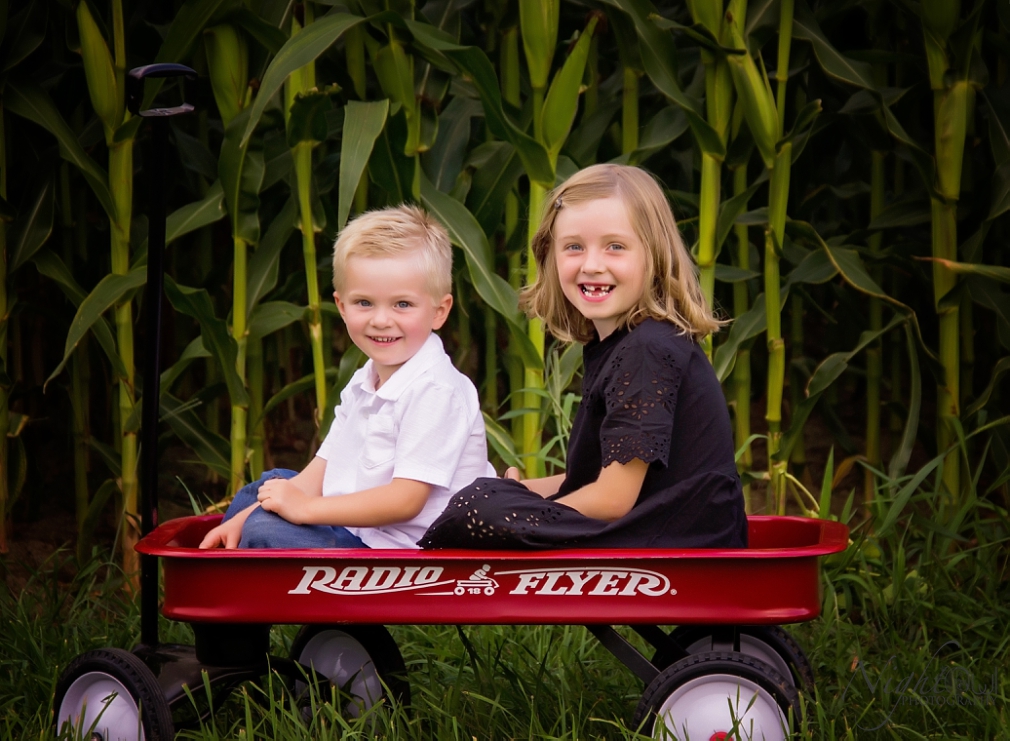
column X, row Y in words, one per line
column 602, row 582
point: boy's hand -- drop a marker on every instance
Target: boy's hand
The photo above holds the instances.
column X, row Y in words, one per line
column 285, row 499
column 225, row 535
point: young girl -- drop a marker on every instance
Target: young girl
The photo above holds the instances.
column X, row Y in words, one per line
column 650, row 458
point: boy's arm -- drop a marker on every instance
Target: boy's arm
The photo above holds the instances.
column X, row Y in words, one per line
column 398, row 501
column 613, row 494
column 309, row 483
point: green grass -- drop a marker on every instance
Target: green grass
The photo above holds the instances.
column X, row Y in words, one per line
column 913, row 643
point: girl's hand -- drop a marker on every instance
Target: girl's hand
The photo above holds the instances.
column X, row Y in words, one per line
column 511, row 473
column 283, row 498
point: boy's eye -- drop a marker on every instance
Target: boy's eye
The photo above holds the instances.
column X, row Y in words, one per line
column 363, row 302
column 403, row 304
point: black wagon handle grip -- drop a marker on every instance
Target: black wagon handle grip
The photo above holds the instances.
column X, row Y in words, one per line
column 135, row 87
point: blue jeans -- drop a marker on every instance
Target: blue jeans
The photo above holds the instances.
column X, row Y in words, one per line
column 264, row 529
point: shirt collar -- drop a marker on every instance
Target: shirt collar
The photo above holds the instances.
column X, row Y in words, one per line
column 431, row 353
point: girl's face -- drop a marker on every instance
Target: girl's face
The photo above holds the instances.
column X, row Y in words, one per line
column 601, row 262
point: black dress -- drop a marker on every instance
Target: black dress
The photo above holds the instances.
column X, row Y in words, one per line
column 649, row 394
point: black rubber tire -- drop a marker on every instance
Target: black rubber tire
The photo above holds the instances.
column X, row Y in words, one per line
column 777, row 640
column 93, row 673
column 696, row 669
column 380, row 647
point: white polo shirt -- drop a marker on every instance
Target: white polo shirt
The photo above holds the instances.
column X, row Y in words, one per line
column 424, row 423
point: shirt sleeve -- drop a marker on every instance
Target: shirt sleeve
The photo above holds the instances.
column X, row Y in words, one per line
column 640, row 397
column 433, row 432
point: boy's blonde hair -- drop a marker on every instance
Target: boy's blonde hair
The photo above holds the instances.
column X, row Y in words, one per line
column 673, row 293
column 403, row 230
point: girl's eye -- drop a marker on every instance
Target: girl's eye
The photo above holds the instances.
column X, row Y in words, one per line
column 572, row 248
column 615, row 246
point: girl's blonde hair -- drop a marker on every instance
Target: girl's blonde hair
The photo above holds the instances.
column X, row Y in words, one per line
column 398, row 231
column 673, row 292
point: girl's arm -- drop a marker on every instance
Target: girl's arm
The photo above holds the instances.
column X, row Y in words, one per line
column 398, row 501
column 545, row 487
column 613, row 494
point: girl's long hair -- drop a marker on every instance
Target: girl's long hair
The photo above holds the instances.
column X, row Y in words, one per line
column 673, row 292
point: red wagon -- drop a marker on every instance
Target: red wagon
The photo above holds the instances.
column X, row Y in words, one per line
column 728, row 671
column 729, row 604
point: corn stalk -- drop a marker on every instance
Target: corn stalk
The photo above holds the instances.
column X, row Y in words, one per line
column 5, row 380
column 301, row 86
column 105, row 75
column 952, row 100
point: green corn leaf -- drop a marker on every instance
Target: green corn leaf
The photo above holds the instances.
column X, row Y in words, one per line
column 241, row 170
column 834, row 63
column 731, row 209
column 466, row 234
column 731, row 274
column 110, row 290
column 743, row 329
column 388, row 168
column 187, row 25
column 363, row 122
column 563, row 97
column 816, row 267
column 994, row 272
column 497, row 168
column 584, row 141
column 922, row 159
column 25, row 33
column 31, row 230
column 108, row 455
column 106, row 97
column 1000, row 192
column 50, row 265
column 196, row 302
column 299, row 386
column 901, row 498
column 269, row 36
column 212, row 449
column 473, row 62
column 395, row 70
column 28, row 100
column 659, row 59
column 301, row 49
column 907, row 212
column 501, row 442
column 189, row 218
column 758, row 102
column 658, row 133
column 999, row 125
column 826, row 373
column 194, row 351
column 899, row 459
column 271, row 316
column 998, row 371
column 264, row 263
column 444, row 160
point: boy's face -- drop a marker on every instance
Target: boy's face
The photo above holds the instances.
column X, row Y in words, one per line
column 388, row 310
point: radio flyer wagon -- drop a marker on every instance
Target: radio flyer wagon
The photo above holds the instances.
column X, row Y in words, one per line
column 728, row 666
column 728, row 671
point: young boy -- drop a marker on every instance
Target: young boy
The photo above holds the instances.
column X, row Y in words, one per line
column 408, row 431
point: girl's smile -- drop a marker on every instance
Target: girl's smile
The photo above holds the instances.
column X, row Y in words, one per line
column 601, row 261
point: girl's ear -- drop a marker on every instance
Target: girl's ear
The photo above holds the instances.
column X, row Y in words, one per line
column 442, row 311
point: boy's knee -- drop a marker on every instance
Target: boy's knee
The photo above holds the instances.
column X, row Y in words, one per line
column 259, row 529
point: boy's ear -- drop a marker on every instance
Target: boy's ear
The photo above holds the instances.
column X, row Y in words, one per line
column 339, row 303
column 442, row 311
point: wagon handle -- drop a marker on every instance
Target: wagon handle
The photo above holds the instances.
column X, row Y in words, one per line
column 153, row 294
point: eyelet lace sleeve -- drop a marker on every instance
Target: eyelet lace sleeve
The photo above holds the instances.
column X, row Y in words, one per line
column 640, row 397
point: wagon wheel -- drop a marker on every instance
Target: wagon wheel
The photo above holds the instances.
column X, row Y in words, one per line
column 110, row 695
column 359, row 659
column 770, row 643
column 718, row 695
